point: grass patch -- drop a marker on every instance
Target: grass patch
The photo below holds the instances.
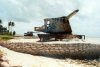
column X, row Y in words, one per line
column 5, row 37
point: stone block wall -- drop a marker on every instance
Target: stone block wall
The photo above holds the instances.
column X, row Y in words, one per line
column 74, row 50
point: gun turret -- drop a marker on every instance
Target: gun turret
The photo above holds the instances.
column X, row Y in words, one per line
column 57, row 25
column 57, row 28
column 73, row 13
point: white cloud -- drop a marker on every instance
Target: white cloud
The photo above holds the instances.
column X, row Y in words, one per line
column 32, row 12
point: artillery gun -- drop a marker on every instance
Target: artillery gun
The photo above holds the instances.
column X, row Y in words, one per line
column 57, row 28
column 29, row 33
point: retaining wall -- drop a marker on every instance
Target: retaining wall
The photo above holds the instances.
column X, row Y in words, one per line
column 75, row 50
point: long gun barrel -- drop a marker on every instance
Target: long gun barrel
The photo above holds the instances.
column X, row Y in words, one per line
column 73, row 13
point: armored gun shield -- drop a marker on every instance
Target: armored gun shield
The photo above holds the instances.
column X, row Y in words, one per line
column 57, row 25
column 57, row 28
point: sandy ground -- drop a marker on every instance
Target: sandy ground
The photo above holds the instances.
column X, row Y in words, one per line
column 87, row 40
column 27, row 60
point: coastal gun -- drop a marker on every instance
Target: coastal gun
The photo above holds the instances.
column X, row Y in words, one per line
column 57, row 28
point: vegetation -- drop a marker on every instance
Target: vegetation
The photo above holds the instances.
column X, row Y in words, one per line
column 0, row 21
column 14, row 33
column 5, row 37
column 10, row 25
column 6, row 34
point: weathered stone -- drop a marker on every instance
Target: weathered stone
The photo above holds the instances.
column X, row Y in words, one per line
column 77, row 50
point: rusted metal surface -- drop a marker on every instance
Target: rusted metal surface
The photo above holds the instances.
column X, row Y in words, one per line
column 48, row 37
column 57, row 25
column 30, row 33
column 73, row 13
column 58, row 28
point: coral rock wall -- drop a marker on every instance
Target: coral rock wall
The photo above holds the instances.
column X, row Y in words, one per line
column 75, row 50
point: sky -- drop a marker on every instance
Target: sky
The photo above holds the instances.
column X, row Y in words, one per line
column 28, row 14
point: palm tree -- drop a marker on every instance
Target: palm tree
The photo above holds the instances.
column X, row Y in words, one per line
column 14, row 33
column 0, row 21
column 10, row 25
column 1, row 28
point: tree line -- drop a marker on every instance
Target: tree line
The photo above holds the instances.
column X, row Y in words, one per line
column 5, row 30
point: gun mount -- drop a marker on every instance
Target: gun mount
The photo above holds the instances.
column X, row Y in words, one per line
column 58, row 28
column 28, row 33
